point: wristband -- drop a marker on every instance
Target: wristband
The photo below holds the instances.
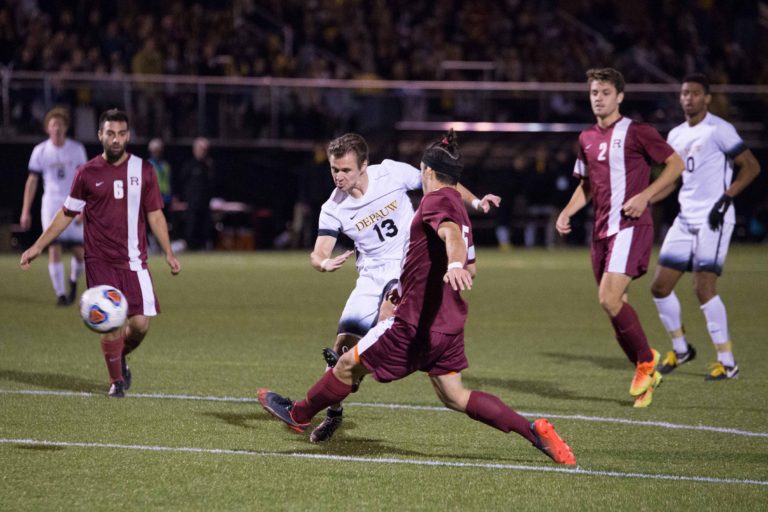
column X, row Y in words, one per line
column 322, row 264
column 455, row 264
column 476, row 203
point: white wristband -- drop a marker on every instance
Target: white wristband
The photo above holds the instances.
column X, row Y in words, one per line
column 476, row 203
column 455, row 264
column 322, row 264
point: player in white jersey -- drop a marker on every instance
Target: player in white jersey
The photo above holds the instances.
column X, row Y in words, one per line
column 699, row 237
column 55, row 160
column 371, row 206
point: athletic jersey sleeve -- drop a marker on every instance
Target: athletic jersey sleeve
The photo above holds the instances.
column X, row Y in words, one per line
column 580, row 169
column 438, row 209
column 75, row 201
column 728, row 140
column 328, row 225
column 35, row 165
column 654, row 146
column 407, row 174
column 151, row 197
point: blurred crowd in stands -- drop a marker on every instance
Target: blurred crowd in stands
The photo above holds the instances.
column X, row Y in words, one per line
column 654, row 41
column 525, row 40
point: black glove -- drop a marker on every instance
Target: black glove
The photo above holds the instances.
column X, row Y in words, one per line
column 717, row 213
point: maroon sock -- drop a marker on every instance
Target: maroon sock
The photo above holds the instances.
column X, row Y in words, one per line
column 631, row 336
column 113, row 352
column 327, row 391
column 490, row 410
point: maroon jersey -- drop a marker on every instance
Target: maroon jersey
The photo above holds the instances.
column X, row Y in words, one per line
column 617, row 161
column 427, row 302
column 115, row 201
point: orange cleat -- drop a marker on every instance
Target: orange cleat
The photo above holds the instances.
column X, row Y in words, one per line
column 550, row 443
column 644, row 375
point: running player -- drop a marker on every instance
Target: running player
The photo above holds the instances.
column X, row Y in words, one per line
column 699, row 237
column 55, row 161
column 427, row 331
column 613, row 166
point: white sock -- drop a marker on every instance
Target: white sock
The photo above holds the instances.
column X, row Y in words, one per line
column 75, row 269
column 502, row 235
column 671, row 317
column 717, row 320
column 56, row 271
column 717, row 325
column 726, row 358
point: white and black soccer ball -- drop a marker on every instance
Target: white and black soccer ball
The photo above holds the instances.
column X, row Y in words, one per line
column 103, row 308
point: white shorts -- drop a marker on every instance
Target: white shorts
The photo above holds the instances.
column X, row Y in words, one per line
column 74, row 232
column 362, row 309
column 695, row 248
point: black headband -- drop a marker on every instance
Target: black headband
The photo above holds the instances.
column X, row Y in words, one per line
column 451, row 166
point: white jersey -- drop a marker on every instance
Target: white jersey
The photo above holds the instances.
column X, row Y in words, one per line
column 707, row 150
column 57, row 166
column 379, row 222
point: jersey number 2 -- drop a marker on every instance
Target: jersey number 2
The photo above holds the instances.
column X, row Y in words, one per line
column 387, row 228
column 603, row 147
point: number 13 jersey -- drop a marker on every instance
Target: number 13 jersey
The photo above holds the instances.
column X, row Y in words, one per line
column 379, row 221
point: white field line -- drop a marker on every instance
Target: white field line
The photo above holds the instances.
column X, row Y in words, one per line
column 578, row 417
column 413, row 462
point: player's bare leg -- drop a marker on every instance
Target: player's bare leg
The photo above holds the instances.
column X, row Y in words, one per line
column 489, row 409
column 705, row 285
column 663, row 290
column 325, row 430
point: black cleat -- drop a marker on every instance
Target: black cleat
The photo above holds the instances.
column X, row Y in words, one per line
column 325, row 430
column 126, row 375
column 280, row 407
column 330, row 356
column 62, row 301
column 673, row 360
column 117, row 390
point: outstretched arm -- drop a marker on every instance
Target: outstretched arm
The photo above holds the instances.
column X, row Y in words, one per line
column 57, row 227
column 480, row 204
column 321, row 255
column 159, row 228
column 579, row 200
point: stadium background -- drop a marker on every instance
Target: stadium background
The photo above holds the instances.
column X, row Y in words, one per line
column 269, row 82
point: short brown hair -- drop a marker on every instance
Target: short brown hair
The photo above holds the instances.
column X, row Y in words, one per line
column 349, row 143
column 113, row 114
column 59, row 112
column 609, row 75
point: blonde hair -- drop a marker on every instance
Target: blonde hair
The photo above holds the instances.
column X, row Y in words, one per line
column 59, row 112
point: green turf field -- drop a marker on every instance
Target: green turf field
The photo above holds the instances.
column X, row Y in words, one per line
column 190, row 436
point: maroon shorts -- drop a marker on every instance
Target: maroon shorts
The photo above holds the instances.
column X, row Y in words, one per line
column 135, row 285
column 627, row 252
column 400, row 350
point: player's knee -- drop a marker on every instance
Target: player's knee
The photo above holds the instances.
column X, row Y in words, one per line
column 344, row 342
column 660, row 290
column 612, row 305
column 138, row 325
column 455, row 400
column 345, row 367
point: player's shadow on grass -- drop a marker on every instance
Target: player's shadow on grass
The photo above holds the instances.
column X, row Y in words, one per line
column 535, row 387
column 53, row 381
column 605, row 362
column 237, row 419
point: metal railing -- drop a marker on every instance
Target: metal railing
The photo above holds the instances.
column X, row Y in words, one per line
column 270, row 111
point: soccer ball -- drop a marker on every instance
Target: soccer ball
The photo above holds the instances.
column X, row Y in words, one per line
column 103, row 308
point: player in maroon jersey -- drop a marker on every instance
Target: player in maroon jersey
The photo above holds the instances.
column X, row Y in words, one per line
column 427, row 332
column 613, row 165
column 118, row 195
